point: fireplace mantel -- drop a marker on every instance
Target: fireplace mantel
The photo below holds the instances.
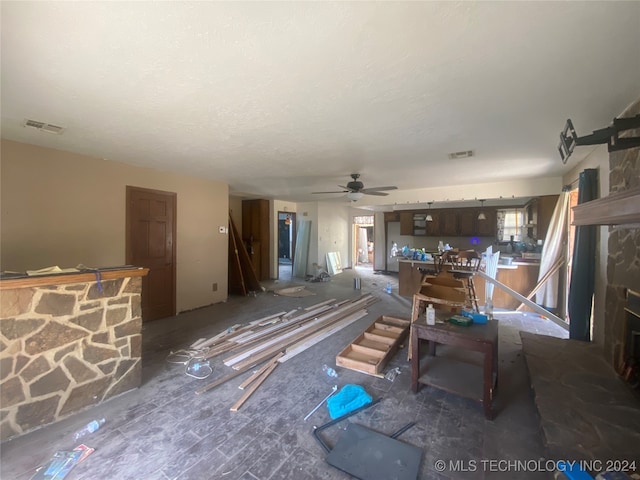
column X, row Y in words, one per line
column 619, row 208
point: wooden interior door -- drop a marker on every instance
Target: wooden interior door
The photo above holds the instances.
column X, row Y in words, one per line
column 151, row 233
column 255, row 235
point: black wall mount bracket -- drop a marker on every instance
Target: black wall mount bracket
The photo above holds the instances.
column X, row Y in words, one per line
column 609, row 135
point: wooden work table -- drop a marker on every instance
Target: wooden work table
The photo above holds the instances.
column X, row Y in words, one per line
column 449, row 371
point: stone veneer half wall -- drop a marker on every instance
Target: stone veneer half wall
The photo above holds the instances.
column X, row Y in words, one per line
column 623, row 263
column 65, row 347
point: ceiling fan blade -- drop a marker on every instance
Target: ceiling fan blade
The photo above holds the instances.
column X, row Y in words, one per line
column 339, row 191
column 378, row 189
column 379, row 194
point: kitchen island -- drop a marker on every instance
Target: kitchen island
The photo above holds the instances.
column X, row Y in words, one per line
column 410, row 273
column 521, row 276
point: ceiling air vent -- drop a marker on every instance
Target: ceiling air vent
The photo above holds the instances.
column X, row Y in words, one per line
column 463, row 154
column 44, row 127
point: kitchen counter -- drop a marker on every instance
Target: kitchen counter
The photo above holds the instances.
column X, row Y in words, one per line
column 521, row 276
column 420, row 262
column 515, row 265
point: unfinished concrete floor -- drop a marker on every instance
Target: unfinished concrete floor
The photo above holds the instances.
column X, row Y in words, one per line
column 162, row 430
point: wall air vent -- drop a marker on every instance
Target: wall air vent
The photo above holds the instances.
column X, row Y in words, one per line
column 44, row 127
column 463, row 154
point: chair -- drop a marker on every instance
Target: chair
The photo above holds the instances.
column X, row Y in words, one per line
column 429, row 273
column 465, row 265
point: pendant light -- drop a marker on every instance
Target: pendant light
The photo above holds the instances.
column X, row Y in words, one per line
column 429, row 217
column 481, row 215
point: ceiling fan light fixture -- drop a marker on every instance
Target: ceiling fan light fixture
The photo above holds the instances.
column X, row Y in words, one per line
column 355, row 196
column 355, row 189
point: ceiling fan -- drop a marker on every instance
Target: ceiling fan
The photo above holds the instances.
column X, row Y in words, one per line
column 355, row 189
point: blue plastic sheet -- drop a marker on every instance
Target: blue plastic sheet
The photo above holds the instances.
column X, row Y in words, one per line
column 347, row 399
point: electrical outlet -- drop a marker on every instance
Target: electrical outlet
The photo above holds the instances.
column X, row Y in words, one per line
column 214, row 287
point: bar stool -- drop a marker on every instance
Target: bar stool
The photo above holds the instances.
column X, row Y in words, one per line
column 465, row 265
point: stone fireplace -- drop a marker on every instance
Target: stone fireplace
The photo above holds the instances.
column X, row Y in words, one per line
column 623, row 263
column 66, row 342
column 630, row 367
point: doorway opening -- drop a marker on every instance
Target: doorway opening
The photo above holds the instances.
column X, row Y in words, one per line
column 362, row 254
column 286, row 244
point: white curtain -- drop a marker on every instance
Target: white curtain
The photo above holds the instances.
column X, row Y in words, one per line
column 553, row 250
column 363, row 241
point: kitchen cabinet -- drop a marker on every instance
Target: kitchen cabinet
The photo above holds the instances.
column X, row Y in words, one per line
column 538, row 213
column 488, row 227
column 467, row 222
column 471, row 225
column 391, row 216
column 546, row 206
column 416, row 224
column 406, row 223
column 449, row 223
column 433, row 227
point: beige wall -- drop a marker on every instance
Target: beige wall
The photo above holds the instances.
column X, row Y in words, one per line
column 334, row 232
column 61, row 208
column 235, row 211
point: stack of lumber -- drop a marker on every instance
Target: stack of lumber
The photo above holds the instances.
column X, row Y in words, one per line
column 277, row 338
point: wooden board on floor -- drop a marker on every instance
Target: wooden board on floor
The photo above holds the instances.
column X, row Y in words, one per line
column 256, row 383
column 373, row 348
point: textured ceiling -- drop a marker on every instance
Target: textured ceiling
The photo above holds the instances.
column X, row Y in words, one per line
column 281, row 99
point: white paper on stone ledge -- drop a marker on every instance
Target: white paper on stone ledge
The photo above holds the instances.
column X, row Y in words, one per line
column 51, row 271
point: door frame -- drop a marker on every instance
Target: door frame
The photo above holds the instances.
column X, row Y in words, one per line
column 173, row 198
column 293, row 239
column 355, row 234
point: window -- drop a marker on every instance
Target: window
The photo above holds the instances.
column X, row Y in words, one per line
column 363, row 220
column 510, row 222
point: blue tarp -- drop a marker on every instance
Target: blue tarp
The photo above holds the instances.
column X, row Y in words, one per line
column 347, row 399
